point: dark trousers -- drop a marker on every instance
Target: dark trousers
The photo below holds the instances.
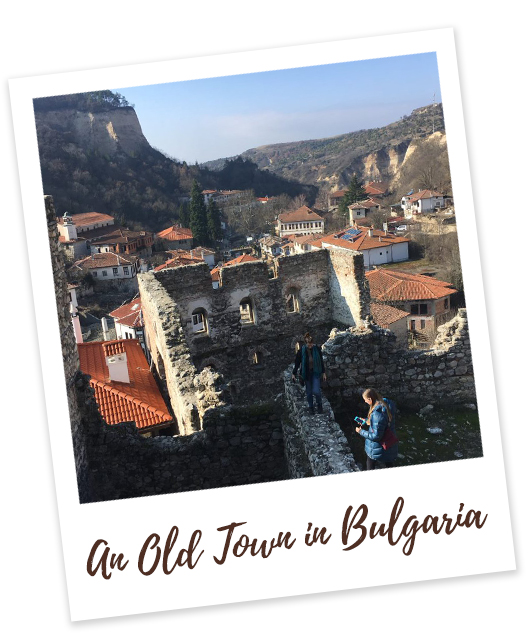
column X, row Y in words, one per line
column 370, row 463
column 312, row 387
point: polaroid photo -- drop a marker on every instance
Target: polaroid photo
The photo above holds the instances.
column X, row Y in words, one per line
column 264, row 351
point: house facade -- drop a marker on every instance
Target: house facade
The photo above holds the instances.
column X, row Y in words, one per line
column 124, row 241
column 176, row 237
column 303, row 221
column 377, row 246
column 424, row 201
column 426, row 300
column 109, row 270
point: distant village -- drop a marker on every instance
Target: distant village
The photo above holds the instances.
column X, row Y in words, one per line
column 105, row 259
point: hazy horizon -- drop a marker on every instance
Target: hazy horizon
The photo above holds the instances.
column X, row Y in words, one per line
column 214, row 118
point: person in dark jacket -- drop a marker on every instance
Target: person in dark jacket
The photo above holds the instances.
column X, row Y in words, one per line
column 381, row 415
column 310, row 359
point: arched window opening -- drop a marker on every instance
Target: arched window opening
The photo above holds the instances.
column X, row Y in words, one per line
column 199, row 321
column 292, row 301
column 246, row 311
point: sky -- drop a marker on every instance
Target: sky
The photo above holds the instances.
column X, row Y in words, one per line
column 201, row 120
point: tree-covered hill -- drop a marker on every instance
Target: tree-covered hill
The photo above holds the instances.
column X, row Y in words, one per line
column 94, row 157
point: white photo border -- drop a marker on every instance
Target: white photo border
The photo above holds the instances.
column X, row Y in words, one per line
column 270, row 508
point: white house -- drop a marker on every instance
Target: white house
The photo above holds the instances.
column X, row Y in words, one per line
column 303, row 221
column 107, row 267
column 360, row 210
column 377, row 246
column 424, row 201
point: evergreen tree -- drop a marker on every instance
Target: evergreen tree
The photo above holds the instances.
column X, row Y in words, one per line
column 214, row 222
column 198, row 215
column 355, row 193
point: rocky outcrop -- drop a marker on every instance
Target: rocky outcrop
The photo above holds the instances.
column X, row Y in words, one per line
column 106, row 132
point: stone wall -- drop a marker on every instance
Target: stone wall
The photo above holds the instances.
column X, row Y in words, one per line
column 359, row 358
column 330, row 289
column 314, row 444
column 235, row 447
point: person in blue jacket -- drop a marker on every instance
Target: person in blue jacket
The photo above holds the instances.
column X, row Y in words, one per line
column 381, row 415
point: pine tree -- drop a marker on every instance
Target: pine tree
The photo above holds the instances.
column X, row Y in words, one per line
column 198, row 215
column 214, row 223
column 355, row 193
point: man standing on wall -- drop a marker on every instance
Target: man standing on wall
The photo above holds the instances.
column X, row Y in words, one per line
column 310, row 359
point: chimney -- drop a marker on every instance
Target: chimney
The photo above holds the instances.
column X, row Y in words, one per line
column 117, row 365
column 370, row 232
column 76, row 324
column 105, row 329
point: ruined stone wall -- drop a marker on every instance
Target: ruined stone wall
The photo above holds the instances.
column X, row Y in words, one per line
column 236, row 447
column 84, row 422
column 349, row 288
column 314, row 444
column 369, row 357
column 230, row 346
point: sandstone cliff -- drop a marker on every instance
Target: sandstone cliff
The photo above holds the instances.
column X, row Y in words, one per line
column 107, row 132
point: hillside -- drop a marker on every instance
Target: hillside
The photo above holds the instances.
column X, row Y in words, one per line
column 94, row 156
column 373, row 154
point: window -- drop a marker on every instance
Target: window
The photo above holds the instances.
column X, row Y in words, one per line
column 422, row 322
column 104, row 273
column 419, row 309
column 412, row 324
column 126, row 270
column 292, row 300
column 258, row 358
column 246, row 311
column 446, row 304
column 199, row 321
column 94, row 273
column 115, row 272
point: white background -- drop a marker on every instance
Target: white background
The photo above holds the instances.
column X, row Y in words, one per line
column 55, row 38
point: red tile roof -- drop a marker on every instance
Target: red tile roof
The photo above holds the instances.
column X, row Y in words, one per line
column 175, row 233
column 120, row 236
column 139, row 401
column 362, row 241
column 376, row 188
column 179, row 258
column 303, row 214
column 85, row 219
column 129, row 314
column 215, row 272
column 391, row 285
column 424, row 194
column 385, row 315
column 337, row 194
column 103, row 260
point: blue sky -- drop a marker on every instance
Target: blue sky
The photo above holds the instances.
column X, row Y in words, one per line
column 202, row 120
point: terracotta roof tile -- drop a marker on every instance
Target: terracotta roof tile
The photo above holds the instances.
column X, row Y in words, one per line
column 424, row 194
column 84, row 219
column 129, row 314
column 102, row 260
column 392, row 285
column 362, row 241
column 302, row 214
column 139, row 401
column 385, row 315
column 175, row 233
